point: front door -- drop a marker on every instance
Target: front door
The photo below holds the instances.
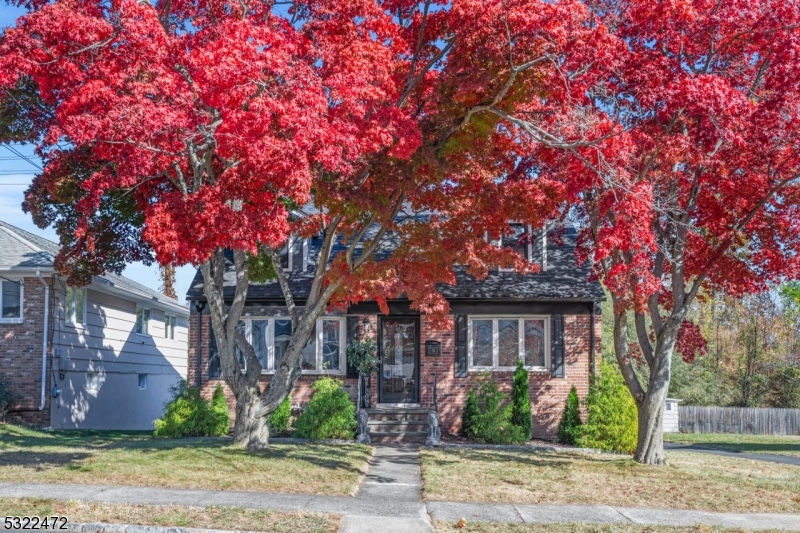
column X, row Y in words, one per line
column 399, row 353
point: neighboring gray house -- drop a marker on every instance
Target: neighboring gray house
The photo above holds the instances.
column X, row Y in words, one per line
column 96, row 357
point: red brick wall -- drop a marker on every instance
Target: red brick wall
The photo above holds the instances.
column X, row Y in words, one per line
column 21, row 357
column 548, row 394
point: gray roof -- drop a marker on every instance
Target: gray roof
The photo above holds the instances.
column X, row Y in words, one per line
column 22, row 250
column 563, row 280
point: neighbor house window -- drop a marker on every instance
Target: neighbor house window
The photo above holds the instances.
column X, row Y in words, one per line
column 270, row 337
column 169, row 326
column 497, row 343
column 142, row 320
column 294, row 254
column 92, row 381
column 10, row 301
column 76, row 305
column 142, row 381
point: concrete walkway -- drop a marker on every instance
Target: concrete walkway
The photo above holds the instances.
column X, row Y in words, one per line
column 389, row 501
column 699, row 448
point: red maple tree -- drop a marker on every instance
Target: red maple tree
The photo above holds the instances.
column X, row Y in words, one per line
column 186, row 128
column 698, row 189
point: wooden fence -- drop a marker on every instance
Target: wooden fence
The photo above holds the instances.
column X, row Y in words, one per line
column 756, row 421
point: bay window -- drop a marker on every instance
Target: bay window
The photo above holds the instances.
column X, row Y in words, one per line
column 497, row 343
column 270, row 337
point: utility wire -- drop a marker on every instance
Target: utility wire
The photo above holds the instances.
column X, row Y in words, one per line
column 26, row 158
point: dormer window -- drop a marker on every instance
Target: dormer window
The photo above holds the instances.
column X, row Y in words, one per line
column 521, row 239
column 294, row 254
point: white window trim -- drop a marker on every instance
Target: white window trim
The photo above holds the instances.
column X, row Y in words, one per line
column 142, row 380
column 496, row 342
column 270, row 340
column 21, row 318
column 136, row 320
column 67, row 304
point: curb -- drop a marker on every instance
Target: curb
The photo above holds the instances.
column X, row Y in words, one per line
column 100, row 527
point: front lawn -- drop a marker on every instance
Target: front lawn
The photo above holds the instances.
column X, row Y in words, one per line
column 230, row 518
column 776, row 444
column 116, row 458
column 691, row 481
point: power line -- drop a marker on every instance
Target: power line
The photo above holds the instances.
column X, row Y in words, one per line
column 17, row 153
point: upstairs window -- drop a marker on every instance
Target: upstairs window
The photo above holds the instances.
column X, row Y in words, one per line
column 294, row 254
column 142, row 320
column 169, row 326
column 10, row 301
column 76, row 306
column 518, row 238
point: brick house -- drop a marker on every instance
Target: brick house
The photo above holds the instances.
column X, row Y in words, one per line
column 95, row 357
column 551, row 320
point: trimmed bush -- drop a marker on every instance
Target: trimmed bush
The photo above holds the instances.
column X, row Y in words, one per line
column 329, row 415
column 470, row 411
column 569, row 429
column 279, row 420
column 521, row 402
column 188, row 414
column 491, row 423
column 8, row 396
column 612, row 418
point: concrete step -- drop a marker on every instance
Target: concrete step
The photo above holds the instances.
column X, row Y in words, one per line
column 396, row 426
column 398, row 415
column 387, row 437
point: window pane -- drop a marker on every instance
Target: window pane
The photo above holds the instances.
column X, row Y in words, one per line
column 283, row 334
column 236, row 350
column 258, row 329
column 508, row 334
column 70, row 305
column 330, row 344
column 11, row 294
column 309, row 361
column 297, row 254
column 79, row 303
column 517, row 240
column 482, row 343
column 214, row 366
column 283, row 253
column 167, row 320
column 146, row 321
column 534, row 343
column 138, row 319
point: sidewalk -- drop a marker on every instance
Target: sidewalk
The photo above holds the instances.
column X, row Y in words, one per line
column 389, row 501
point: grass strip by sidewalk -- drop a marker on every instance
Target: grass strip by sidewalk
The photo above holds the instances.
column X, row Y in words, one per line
column 138, row 459
column 770, row 444
column 475, row 527
column 690, row 481
column 230, row 518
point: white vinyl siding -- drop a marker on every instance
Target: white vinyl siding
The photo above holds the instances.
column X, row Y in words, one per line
column 497, row 343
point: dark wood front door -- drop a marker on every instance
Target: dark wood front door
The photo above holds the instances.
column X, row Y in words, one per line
column 399, row 354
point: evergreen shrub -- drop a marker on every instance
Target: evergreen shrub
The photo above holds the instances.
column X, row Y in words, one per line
column 521, row 402
column 470, row 411
column 569, row 429
column 8, row 396
column 279, row 420
column 491, row 421
column 329, row 415
column 188, row 414
column 611, row 422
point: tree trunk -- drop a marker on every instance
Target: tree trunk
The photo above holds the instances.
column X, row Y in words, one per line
column 650, row 445
column 251, row 428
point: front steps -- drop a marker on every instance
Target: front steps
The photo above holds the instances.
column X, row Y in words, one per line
column 397, row 424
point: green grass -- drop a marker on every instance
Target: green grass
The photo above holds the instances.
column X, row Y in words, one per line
column 772, row 444
column 690, row 481
column 138, row 459
column 231, row 518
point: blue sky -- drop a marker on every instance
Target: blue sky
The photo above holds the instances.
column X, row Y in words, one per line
column 16, row 174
